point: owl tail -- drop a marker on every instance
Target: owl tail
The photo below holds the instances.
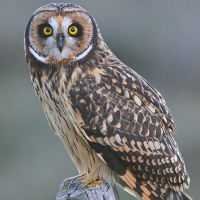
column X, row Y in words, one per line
column 178, row 196
column 147, row 191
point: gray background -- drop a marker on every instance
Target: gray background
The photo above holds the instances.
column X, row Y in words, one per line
column 158, row 39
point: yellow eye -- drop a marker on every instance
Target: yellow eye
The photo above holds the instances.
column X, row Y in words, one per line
column 73, row 30
column 47, row 30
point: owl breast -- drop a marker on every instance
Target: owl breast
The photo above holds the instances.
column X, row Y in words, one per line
column 59, row 114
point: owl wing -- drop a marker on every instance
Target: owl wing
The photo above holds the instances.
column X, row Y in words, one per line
column 127, row 122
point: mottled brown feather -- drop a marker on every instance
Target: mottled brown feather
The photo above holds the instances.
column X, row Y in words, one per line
column 113, row 123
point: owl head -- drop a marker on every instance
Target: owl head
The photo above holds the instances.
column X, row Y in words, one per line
column 58, row 33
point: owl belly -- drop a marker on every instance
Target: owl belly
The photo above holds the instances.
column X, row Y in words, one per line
column 61, row 123
column 58, row 114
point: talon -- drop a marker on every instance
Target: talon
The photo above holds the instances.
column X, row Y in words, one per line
column 63, row 191
column 94, row 183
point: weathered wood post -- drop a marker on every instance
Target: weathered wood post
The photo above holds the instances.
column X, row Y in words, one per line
column 71, row 189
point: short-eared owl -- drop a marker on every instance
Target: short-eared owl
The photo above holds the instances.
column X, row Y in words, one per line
column 113, row 123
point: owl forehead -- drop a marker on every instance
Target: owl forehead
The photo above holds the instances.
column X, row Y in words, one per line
column 60, row 7
column 60, row 23
column 62, row 19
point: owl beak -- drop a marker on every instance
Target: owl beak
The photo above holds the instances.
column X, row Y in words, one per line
column 60, row 41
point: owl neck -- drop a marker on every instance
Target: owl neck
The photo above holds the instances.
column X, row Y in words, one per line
column 52, row 75
column 67, row 73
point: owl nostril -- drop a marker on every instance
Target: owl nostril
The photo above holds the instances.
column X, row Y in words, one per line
column 60, row 41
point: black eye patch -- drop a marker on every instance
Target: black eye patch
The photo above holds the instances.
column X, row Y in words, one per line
column 75, row 30
column 45, row 30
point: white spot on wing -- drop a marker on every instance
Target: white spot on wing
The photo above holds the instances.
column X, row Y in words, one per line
column 151, row 145
column 126, row 94
column 162, row 146
column 118, row 90
column 165, row 119
column 106, row 140
column 175, row 158
column 118, row 139
column 157, row 145
column 151, row 108
column 110, row 119
column 98, row 79
column 107, row 86
column 137, row 100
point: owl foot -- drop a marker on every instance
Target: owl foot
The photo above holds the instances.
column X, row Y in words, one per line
column 72, row 188
column 94, row 183
column 90, row 180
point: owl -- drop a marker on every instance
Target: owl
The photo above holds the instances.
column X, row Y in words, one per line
column 113, row 123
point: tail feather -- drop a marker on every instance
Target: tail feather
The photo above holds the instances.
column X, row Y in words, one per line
column 141, row 190
column 179, row 196
column 185, row 196
column 147, row 191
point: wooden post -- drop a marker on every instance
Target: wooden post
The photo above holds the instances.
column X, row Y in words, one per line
column 71, row 189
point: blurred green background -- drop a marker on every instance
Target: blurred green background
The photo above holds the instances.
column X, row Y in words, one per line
column 158, row 39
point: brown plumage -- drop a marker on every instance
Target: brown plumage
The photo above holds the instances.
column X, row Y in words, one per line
column 113, row 123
